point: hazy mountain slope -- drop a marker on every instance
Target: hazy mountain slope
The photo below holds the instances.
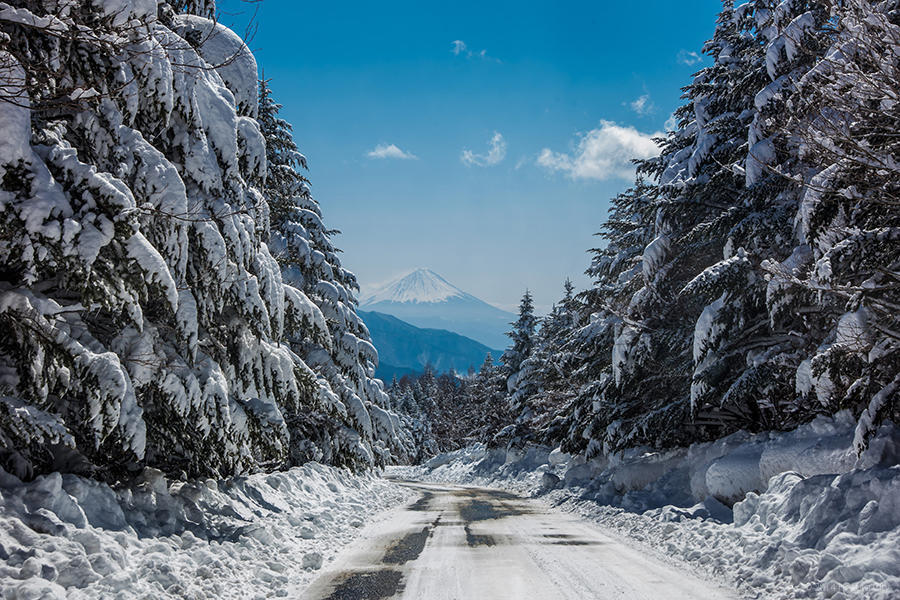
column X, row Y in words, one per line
column 404, row 348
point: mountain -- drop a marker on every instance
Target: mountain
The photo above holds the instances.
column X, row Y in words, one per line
column 404, row 348
column 425, row 299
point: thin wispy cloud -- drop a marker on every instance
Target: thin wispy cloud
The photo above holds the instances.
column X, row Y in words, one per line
column 643, row 105
column 459, row 48
column 494, row 156
column 390, row 151
column 689, row 58
column 602, row 153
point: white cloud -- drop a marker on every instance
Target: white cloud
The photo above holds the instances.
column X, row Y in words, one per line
column 390, row 151
column 495, row 154
column 689, row 58
column 602, row 153
column 643, row 105
column 459, row 48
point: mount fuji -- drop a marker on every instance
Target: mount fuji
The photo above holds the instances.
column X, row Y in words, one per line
column 425, row 299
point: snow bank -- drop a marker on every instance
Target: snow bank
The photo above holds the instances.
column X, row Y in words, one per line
column 62, row 536
column 778, row 515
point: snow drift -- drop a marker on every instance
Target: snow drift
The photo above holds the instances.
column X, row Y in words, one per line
column 66, row 537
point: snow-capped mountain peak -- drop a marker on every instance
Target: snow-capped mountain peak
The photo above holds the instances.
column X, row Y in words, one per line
column 422, row 285
column 426, row 300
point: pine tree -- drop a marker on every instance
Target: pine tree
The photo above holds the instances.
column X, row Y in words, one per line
column 695, row 353
column 143, row 307
column 351, row 423
column 740, row 329
column 486, row 402
column 602, row 417
column 543, row 389
column 146, row 317
column 846, row 266
column 701, row 310
column 522, row 336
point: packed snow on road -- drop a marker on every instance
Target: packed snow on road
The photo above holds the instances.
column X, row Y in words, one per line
column 775, row 515
column 461, row 542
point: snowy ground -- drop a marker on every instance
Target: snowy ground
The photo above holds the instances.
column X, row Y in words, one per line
column 262, row 536
column 778, row 516
column 464, row 543
column 775, row 516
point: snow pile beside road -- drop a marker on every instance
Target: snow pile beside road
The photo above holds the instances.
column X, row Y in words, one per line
column 779, row 515
column 63, row 536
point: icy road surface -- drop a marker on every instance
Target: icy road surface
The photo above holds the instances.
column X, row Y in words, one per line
column 463, row 543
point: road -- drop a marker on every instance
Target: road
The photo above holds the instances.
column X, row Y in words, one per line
column 461, row 543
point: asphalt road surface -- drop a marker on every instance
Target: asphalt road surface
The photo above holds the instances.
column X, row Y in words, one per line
column 461, row 543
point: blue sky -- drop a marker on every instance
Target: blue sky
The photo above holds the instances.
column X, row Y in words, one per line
column 480, row 139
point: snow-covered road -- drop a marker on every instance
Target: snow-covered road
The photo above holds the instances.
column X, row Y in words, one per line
column 463, row 543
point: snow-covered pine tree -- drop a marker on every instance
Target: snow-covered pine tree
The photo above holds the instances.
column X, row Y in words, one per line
column 548, row 353
column 142, row 306
column 350, row 423
column 846, row 267
column 522, row 336
column 438, row 410
column 682, row 266
column 486, row 401
column 773, row 130
column 413, row 420
column 143, row 310
column 544, row 390
column 743, row 357
column 449, row 416
column 701, row 310
column 601, row 417
column 692, row 206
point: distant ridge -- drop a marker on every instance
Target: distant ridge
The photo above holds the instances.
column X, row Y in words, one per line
column 425, row 299
column 404, row 349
